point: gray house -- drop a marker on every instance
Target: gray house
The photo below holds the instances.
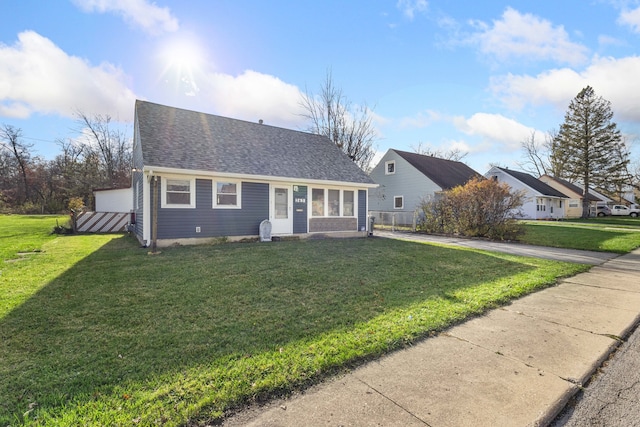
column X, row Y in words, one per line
column 199, row 176
column 406, row 179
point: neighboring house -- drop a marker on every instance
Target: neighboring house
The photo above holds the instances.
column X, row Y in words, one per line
column 113, row 199
column 541, row 201
column 407, row 179
column 573, row 207
column 221, row 177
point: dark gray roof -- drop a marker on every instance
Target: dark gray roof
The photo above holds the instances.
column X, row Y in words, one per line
column 575, row 188
column 182, row 139
column 445, row 173
column 536, row 184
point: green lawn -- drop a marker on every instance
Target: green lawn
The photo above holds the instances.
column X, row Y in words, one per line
column 610, row 234
column 95, row 331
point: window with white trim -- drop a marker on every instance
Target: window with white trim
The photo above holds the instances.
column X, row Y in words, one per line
column 334, row 202
column 348, row 203
column 398, row 202
column 317, row 202
column 178, row 193
column 390, row 167
column 226, row 194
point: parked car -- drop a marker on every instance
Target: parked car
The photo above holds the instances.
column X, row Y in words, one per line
column 603, row 210
column 620, row 210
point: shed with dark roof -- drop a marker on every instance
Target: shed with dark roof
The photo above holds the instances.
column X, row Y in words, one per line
column 217, row 176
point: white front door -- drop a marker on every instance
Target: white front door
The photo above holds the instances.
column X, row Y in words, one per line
column 281, row 215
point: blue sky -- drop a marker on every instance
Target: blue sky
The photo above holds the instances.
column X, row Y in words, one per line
column 479, row 76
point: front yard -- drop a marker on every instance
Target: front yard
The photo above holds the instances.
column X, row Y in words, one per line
column 94, row 331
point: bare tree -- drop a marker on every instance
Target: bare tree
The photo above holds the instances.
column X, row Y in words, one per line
column 350, row 128
column 454, row 154
column 111, row 146
column 10, row 140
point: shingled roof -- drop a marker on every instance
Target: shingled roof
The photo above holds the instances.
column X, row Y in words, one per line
column 183, row 139
column 536, row 184
column 445, row 173
column 575, row 189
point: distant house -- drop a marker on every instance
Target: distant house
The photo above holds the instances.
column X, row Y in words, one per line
column 541, row 200
column 573, row 207
column 407, row 179
column 199, row 176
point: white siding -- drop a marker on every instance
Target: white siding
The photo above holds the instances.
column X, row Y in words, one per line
column 119, row 200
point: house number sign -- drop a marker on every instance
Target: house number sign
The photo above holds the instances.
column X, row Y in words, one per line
column 300, row 200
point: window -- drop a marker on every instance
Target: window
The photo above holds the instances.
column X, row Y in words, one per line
column 317, row 202
column 390, row 167
column 573, row 203
column 331, row 202
column 334, row 202
column 398, row 202
column 540, row 205
column 178, row 193
column 226, row 194
column 347, row 205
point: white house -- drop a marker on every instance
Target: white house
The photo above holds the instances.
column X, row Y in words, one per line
column 541, row 201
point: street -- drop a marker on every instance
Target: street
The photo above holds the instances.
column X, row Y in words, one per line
column 612, row 397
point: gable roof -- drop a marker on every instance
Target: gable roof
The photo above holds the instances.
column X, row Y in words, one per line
column 445, row 173
column 536, row 184
column 574, row 188
column 182, row 139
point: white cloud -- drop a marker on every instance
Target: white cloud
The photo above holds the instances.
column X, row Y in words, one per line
column 36, row 76
column 528, row 37
column 494, row 128
column 631, row 18
column 421, row 120
column 148, row 16
column 253, row 96
column 410, row 7
column 615, row 79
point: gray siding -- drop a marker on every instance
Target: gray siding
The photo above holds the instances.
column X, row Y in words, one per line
column 182, row 223
column 362, row 209
column 137, row 182
column 300, row 210
column 407, row 181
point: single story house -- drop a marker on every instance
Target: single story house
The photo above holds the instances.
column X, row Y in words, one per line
column 199, row 176
column 407, row 179
column 573, row 207
column 541, row 201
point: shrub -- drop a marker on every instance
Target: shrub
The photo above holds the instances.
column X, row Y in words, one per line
column 480, row 208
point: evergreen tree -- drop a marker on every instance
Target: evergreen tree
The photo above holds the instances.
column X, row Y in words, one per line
column 590, row 144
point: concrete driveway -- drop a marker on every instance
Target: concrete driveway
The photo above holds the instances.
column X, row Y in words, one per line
column 558, row 254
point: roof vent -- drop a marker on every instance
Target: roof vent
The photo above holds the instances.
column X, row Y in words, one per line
column 260, row 121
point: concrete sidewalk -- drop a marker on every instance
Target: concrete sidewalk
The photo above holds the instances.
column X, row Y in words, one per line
column 515, row 366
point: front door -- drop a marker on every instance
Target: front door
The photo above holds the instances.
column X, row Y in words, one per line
column 281, row 216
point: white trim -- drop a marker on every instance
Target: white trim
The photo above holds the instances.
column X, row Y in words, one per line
column 386, row 167
column 214, row 187
column 163, row 192
column 394, row 202
column 254, row 178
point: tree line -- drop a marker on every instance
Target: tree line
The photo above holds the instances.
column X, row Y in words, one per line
column 29, row 184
